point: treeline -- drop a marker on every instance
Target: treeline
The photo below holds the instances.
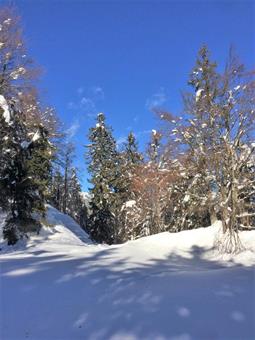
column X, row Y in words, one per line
column 65, row 189
column 199, row 167
column 35, row 161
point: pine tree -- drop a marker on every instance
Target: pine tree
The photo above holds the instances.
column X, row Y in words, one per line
column 103, row 166
column 132, row 155
column 67, row 160
column 56, row 189
column 130, row 160
column 75, row 204
column 24, row 134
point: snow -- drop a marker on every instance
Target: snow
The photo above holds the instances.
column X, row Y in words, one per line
column 7, row 21
column 186, row 198
column 198, row 94
column 60, row 285
column 16, row 74
column 36, row 136
column 5, row 107
column 130, row 204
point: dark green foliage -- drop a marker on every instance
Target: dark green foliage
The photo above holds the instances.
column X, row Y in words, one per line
column 56, row 189
column 10, row 232
column 132, row 155
column 64, row 188
column 24, row 175
column 104, row 169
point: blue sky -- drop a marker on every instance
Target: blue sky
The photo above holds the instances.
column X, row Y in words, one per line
column 123, row 57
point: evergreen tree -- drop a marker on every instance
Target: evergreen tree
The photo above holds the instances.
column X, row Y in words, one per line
column 75, row 203
column 56, row 189
column 40, row 166
column 132, row 155
column 25, row 151
column 103, row 166
column 24, row 175
column 130, row 160
column 67, row 160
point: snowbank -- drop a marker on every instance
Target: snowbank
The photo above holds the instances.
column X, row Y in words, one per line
column 59, row 231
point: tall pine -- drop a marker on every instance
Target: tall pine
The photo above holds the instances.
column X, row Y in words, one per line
column 103, row 167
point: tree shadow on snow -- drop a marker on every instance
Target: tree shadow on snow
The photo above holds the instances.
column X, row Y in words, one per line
column 98, row 297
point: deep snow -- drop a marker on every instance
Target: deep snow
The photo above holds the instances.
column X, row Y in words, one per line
column 59, row 285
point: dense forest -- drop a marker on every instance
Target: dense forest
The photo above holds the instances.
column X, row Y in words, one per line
column 198, row 167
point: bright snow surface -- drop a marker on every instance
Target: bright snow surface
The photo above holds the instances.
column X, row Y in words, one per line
column 59, row 285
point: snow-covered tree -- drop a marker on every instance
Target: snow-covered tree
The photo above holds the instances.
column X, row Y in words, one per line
column 215, row 137
column 56, row 188
column 129, row 160
column 103, row 166
column 144, row 210
column 75, row 203
column 25, row 150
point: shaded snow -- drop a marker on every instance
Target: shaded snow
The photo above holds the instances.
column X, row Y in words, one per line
column 166, row 286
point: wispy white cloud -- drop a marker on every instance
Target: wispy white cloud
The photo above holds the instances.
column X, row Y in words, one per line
column 97, row 92
column 157, row 100
column 72, row 130
column 80, row 90
column 88, row 106
column 86, row 103
column 120, row 141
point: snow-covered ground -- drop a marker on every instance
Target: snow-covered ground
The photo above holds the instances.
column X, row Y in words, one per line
column 59, row 285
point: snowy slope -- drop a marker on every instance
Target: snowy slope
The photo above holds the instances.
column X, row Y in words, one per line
column 60, row 231
column 65, row 225
column 166, row 286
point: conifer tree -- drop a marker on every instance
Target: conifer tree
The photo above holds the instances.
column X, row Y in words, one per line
column 67, row 160
column 130, row 160
column 56, row 189
column 132, row 155
column 75, row 204
column 24, row 133
column 103, row 166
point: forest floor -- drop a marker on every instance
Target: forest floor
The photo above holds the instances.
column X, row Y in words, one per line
column 59, row 285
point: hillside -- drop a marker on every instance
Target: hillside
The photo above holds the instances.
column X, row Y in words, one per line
column 59, row 285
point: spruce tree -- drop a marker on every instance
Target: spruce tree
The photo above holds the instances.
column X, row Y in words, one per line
column 75, row 203
column 25, row 151
column 103, row 166
column 132, row 155
column 130, row 160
